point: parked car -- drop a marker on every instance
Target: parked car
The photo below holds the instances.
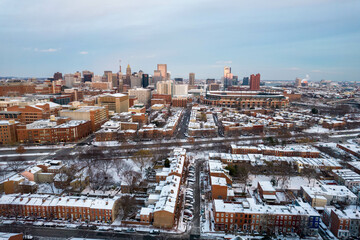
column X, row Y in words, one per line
column 186, row 211
column 155, row 231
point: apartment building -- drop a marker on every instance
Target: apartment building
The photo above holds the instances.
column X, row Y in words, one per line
column 53, row 130
column 8, row 131
column 245, row 99
column 26, row 114
column 142, row 94
column 96, row 115
column 116, row 102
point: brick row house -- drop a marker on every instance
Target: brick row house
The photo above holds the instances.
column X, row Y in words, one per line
column 289, row 151
column 54, row 207
column 247, row 216
column 163, row 205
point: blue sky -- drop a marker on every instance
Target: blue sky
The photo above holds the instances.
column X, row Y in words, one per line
column 281, row 39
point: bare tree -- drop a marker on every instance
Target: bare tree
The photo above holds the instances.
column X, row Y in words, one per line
column 132, row 179
column 20, row 149
column 284, row 171
column 142, row 158
column 243, row 175
column 308, row 173
column 17, row 165
column 127, row 206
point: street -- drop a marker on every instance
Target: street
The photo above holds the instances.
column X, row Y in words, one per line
column 64, row 233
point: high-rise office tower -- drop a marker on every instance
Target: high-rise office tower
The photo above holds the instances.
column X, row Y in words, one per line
column 107, row 76
column 128, row 70
column 57, row 76
column 128, row 74
column 69, row 80
column 191, row 79
column 140, row 73
column 255, row 82
column 165, row 87
column 227, row 70
column 87, row 76
column 178, row 80
column 245, row 81
column 156, row 77
column 235, row 80
column 228, row 76
column 298, row 82
column 145, row 80
column 115, row 81
column 163, row 70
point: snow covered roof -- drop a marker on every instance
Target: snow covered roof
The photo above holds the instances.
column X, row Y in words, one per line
column 8, row 122
column 249, row 206
column 146, row 211
column 215, row 166
column 266, row 186
column 220, row 181
column 67, row 201
column 51, row 104
column 168, row 195
column 328, row 190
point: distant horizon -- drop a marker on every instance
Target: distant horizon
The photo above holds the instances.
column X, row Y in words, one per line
column 240, row 79
column 280, row 39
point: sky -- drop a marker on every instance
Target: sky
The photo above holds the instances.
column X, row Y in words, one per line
column 280, row 39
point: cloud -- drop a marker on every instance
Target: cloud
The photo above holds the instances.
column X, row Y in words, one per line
column 83, row 52
column 48, row 50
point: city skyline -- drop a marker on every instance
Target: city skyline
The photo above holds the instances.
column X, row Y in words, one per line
column 280, row 40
